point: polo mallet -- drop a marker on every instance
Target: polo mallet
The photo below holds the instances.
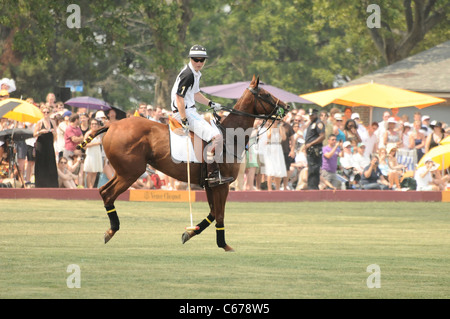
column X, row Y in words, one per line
column 192, row 227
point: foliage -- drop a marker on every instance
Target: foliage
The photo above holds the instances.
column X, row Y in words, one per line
column 131, row 51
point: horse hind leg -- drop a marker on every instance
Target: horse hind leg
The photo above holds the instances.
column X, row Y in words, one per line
column 109, row 192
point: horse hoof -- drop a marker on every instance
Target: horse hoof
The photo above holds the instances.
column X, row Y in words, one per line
column 186, row 236
column 228, row 249
column 108, row 235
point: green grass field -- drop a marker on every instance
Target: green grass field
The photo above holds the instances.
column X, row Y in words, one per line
column 283, row 250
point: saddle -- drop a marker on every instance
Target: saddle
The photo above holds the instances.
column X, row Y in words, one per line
column 179, row 143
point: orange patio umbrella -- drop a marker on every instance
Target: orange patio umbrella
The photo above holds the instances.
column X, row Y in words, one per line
column 373, row 95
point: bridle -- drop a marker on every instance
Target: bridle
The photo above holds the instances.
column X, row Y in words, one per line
column 276, row 114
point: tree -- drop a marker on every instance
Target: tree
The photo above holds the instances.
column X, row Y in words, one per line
column 403, row 24
column 420, row 17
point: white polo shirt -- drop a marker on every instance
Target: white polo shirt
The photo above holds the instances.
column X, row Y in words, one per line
column 186, row 85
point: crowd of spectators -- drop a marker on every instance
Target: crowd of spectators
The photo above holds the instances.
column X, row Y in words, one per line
column 382, row 155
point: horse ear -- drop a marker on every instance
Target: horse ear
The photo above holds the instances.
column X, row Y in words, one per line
column 255, row 81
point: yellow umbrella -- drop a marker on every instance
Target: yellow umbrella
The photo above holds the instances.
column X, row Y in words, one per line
column 445, row 141
column 20, row 110
column 372, row 94
column 439, row 154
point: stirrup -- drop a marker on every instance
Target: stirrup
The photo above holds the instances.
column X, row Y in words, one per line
column 216, row 179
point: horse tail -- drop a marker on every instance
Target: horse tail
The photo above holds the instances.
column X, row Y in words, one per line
column 91, row 137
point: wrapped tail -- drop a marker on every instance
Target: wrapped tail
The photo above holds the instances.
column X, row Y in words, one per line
column 91, row 137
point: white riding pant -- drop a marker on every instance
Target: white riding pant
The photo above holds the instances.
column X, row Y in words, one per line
column 198, row 124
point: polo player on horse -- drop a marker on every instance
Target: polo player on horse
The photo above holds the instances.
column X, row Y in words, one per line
column 185, row 92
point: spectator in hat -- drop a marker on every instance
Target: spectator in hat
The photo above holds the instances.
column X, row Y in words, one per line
column 360, row 158
column 112, row 115
column 8, row 84
column 425, row 179
column 435, row 137
column 338, row 128
column 426, row 125
column 101, row 118
column 349, row 167
column 391, row 135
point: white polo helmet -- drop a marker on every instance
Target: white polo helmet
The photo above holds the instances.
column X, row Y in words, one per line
column 197, row 51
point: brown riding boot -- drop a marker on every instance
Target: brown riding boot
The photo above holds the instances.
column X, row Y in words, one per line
column 214, row 177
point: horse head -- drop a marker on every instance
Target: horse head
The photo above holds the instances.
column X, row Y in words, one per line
column 265, row 103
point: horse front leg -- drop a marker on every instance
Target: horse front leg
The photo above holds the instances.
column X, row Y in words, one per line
column 219, row 197
column 204, row 223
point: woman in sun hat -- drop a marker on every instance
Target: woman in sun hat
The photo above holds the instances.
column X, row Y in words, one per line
column 436, row 137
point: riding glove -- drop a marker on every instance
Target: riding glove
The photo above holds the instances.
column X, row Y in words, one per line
column 215, row 106
column 185, row 124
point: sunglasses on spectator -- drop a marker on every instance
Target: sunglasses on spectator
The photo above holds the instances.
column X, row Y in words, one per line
column 198, row 60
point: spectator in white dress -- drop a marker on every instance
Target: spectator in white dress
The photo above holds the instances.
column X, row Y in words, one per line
column 93, row 164
column 274, row 158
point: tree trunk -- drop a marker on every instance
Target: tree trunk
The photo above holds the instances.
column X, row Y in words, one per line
column 163, row 88
column 8, row 56
column 419, row 20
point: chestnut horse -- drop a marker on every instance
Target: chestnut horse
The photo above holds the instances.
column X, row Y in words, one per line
column 132, row 143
